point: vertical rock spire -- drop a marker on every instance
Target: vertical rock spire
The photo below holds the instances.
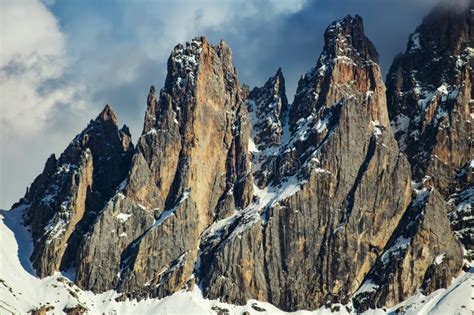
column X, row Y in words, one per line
column 328, row 198
column 347, row 66
column 268, row 107
column 430, row 95
column 431, row 107
column 192, row 165
column 65, row 199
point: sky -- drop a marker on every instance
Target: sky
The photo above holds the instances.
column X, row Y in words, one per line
column 61, row 61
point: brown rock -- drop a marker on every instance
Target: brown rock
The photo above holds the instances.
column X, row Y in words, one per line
column 175, row 176
column 429, row 96
column 350, row 189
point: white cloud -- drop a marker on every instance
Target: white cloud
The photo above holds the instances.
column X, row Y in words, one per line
column 32, row 53
column 33, row 62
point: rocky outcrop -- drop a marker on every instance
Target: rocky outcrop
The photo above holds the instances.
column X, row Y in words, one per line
column 430, row 95
column 66, row 197
column 346, row 48
column 461, row 208
column 431, row 108
column 177, row 184
column 268, row 116
column 332, row 188
column 268, row 108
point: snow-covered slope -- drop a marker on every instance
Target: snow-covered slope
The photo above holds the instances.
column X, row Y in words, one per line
column 21, row 291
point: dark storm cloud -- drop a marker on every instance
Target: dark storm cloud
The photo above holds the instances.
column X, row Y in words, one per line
column 129, row 98
column 294, row 41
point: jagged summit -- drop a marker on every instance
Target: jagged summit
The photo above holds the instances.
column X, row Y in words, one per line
column 445, row 31
column 317, row 183
column 189, row 72
column 107, row 114
column 429, row 93
column 191, row 167
column 346, row 38
column 183, row 64
column 268, row 107
column 430, row 101
column 347, row 68
column 65, row 198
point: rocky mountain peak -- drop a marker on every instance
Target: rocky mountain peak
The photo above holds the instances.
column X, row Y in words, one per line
column 66, row 197
column 150, row 113
column 247, row 197
column 268, row 108
column 191, row 167
column 429, row 93
column 107, row 114
column 187, row 65
column 347, row 68
column 183, row 64
column 337, row 150
column 346, row 39
column 151, row 96
column 430, row 101
column 445, row 31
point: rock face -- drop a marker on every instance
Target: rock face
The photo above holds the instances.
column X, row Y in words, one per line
column 430, row 96
column 177, row 184
column 268, row 109
column 249, row 197
column 67, row 196
column 431, row 107
column 422, row 254
column 329, row 192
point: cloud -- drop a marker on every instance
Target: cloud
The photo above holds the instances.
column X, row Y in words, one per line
column 32, row 53
column 32, row 58
column 263, row 41
column 123, row 49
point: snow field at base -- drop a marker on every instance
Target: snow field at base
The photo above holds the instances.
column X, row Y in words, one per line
column 21, row 291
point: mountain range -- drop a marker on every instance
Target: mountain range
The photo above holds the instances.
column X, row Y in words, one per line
column 358, row 195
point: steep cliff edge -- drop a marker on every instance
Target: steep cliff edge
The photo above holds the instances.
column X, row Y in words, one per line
column 68, row 195
column 431, row 108
column 430, row 95
column 328, row 199
column 191, row 166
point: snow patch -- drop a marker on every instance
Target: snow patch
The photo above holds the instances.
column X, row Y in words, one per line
column 122, row 217
column 400, row 244
column 415, row 42
column 439, row 259
column 367, row 286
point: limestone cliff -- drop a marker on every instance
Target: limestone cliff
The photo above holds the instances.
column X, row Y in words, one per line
column 430, row 95
column 191, row 166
